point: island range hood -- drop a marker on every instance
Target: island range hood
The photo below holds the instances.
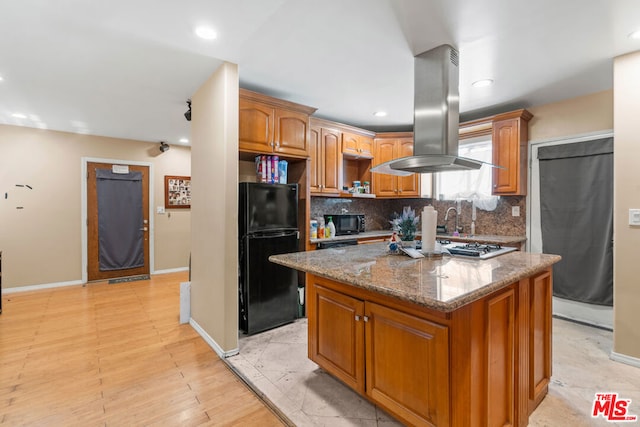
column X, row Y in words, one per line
column 436, row 118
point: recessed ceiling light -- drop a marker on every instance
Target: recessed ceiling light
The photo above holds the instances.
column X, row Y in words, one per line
column 183, row 140
column 380, row 113
column 482, row 83
column 18, row 116
column 635, row 35
column 1, row 79
column 206, row 33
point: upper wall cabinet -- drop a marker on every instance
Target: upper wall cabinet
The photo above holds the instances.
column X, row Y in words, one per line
column 269, row 125
column 325, row 166
column 357, row 146
column 340, row 154
column 510, row 137
column 390, row 146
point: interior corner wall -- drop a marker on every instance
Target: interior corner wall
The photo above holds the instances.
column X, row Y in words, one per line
column 626, row 269
column 40, row 228
column 214, row 207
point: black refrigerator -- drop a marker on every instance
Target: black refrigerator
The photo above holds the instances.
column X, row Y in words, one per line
column 267, row 225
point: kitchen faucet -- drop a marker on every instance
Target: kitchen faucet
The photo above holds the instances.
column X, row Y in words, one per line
column 458, row 229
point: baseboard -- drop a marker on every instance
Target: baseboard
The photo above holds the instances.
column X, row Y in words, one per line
column 212, row 343
column 623, row 358
column 73, row 282
column 171, row 270
column 582, row 322
column 40, row 287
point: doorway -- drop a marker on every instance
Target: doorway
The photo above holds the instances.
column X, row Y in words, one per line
column 594, row 314
column 118, row 228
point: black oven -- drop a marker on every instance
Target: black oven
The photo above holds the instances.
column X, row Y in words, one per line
column 346, row 223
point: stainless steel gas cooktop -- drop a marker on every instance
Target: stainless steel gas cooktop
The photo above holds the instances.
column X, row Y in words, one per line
column 476, row 250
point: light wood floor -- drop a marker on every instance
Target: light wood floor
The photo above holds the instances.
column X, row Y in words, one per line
column 114, row 355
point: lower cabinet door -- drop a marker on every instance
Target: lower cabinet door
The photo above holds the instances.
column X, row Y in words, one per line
column 539, row 338
column 407, row 365
column 336, row 335
column 500, row 359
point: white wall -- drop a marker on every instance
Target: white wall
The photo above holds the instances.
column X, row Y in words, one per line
column 626, row 156
column 41, row 243
column 214, row 209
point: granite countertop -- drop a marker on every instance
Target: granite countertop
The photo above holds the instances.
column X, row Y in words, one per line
column 480, row 238
column 445, row 284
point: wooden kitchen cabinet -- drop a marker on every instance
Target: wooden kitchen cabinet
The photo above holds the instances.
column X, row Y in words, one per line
column 336, row 334
column 540, row 294
column 325, row 164
column 269, row 125
column 397, row 359
column 358, row 146
column 487, row 360
column 340, row 154
column 390, row 146
column 416, row 385
column 510, row 137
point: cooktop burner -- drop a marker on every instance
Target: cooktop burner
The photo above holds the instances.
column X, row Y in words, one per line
column 477, row 250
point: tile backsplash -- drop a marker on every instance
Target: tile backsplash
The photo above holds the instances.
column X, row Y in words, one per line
column 379, row 212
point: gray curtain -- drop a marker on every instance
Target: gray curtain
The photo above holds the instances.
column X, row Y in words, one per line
column 120, row 220
column 576, row 202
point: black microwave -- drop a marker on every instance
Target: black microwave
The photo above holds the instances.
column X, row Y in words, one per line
column 346, row 223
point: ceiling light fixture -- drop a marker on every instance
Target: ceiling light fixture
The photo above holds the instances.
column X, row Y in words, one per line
column 380, row 113
column 1, row 79
column 18, row 116
column 482, row 83
column 206, row 33
column 183, row 140
column 635, row 35
column 187, row 115
column 164, row 146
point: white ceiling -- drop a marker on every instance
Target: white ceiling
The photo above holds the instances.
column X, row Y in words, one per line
column 125, row 68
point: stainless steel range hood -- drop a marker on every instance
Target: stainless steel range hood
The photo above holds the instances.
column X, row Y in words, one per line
column 436, row 118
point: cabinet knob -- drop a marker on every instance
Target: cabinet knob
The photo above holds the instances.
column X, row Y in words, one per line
column 495, row 185
column 357, row 318
column 366, row 318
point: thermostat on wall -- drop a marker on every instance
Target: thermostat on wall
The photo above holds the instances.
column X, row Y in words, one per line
column 634, row 216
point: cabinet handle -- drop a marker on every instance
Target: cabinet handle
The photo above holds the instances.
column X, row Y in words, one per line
column 272, row 144
column 357, row 318
column 366, row 318
column 495, row 185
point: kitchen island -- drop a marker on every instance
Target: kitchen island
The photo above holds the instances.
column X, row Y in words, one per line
column 443, row 342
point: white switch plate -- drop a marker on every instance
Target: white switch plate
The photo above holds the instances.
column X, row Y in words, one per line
column 515, row 210
column 634, row 216
column 160, row 209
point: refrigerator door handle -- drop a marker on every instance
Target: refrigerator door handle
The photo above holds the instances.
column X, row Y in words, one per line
column 275, row 234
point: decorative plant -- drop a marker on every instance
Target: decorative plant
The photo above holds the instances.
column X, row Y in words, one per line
column 406, row 224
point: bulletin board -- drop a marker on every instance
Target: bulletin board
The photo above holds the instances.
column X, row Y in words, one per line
column 177, row 192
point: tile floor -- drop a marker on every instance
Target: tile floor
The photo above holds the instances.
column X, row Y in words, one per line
column 275, row 364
